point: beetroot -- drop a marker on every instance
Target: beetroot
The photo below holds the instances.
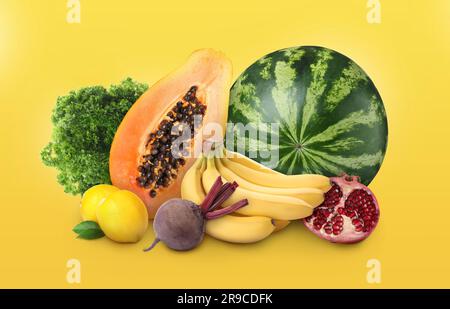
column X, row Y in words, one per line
column 348, row 214
column 180, row 224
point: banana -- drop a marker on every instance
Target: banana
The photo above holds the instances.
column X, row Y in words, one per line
column 191, row 186
column 260, row 204
column 280, row 224
column 239, row 229
column 251, row 171
column 312, row 196
column 241, row 159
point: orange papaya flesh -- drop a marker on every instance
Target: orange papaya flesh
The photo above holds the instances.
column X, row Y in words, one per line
column 154, row 145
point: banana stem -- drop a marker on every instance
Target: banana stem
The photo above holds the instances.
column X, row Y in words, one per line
column 225, row 211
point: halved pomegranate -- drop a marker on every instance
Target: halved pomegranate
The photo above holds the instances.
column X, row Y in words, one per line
column 348, row 214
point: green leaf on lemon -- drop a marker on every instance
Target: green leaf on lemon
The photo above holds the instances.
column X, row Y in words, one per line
column 88, row 230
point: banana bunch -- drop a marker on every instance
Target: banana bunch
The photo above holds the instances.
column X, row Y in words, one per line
column 274, row 198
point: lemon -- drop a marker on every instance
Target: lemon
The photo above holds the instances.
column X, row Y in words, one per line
column 92, row 198
column 123, row 217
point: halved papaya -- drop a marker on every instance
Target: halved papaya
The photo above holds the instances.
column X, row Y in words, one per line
column 143, row 158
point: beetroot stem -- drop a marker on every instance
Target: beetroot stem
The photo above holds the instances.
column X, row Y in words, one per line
column 209, row 198
column 222, row 189
column 224, row 195
column 227, row 210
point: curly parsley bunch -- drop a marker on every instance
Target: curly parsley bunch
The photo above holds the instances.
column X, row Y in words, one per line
column 84, row 124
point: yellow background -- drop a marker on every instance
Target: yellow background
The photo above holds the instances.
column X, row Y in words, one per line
column 42, row 56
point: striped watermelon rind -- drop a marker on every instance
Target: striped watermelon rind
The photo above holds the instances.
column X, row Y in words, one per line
column 331, row 117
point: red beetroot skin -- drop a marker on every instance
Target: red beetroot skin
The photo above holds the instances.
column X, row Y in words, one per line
column 349, row 213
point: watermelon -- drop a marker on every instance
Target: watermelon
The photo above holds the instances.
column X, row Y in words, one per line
column 328, row 115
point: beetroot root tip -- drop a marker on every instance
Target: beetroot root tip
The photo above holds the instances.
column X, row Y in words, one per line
column 155, row 242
